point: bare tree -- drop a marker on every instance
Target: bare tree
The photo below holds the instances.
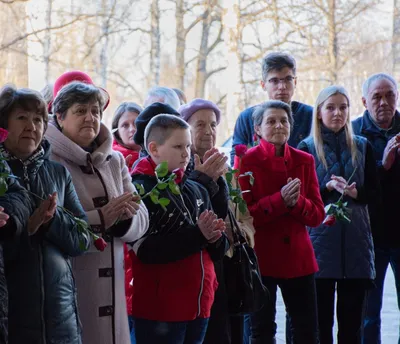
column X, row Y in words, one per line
column 396, row 39
column 212, row 14
column 182, row 8
column 155, row 50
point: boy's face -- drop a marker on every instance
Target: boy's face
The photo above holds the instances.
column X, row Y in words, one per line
column 175, row 150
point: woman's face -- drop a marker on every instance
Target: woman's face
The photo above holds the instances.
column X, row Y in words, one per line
column 275, row 127
column 25, row 133
column 127, row 128
column 81, row 123
column 334, row 112
column 203, row 127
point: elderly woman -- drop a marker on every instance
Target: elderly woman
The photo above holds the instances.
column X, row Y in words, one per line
column 344, row 251
column 84, row 145
column 124, row 128
column 203, row 117
column 283, row 200
column 42, row 291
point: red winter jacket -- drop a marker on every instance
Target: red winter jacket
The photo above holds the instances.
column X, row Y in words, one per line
column 125, row 152
column 174, row 274
column 282, row 242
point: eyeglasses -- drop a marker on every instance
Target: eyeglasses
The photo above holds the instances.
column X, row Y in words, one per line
column 287, row 81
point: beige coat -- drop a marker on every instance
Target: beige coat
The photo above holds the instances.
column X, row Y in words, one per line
column 245, row 222
column 100, row 275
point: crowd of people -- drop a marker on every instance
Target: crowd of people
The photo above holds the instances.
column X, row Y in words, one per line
column 124, row 236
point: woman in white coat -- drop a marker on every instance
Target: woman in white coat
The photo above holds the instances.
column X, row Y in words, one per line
column 84, row 146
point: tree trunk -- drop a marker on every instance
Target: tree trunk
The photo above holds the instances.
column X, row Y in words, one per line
column 47, row 42
column 233, row 74
column 396, row 39
column 332, row 42
column 107, row 7
column 201, row 70
column 154, row 73
column 180, row 44
column 14, row 61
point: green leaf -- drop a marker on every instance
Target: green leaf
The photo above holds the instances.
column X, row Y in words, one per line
column 164, row 201
column 236, row 199
column 229, row 177
column 139, row 188
column 242, row 206
column 154, row 198
column 3, row 186
column 234, row 171
column 162, row 186
column 162, row 169
column 174, row 188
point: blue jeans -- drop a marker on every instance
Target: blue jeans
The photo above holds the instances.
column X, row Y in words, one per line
column 185, row 332
column 131, row 323
column 246, row 330
column 372, row 323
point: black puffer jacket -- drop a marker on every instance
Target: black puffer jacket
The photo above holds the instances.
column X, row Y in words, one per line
column 16, row 206
column 42, row 294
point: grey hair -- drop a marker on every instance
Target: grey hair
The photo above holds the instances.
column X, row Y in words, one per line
column 163, row 95
column 375, row 77
column 76, row 92
column 277, row 61
column 161, row 127
column 258, row 114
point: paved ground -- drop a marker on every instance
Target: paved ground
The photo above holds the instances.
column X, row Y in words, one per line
column 390, row 316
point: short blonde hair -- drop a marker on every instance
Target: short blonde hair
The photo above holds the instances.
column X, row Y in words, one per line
column 323, row 96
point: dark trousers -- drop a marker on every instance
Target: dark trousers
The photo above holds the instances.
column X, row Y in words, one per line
column 185, row 332
column 223, row 328
column 350, row 309
column 300, row 300
column 372, row 324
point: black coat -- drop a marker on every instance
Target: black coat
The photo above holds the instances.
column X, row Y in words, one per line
column 16, row 204
column 42, row 293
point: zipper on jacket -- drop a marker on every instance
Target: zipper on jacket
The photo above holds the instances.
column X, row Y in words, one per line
column 201, row 284
column 42, row 315
column 342, row 229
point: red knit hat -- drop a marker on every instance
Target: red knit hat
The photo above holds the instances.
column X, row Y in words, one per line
column 76, row 75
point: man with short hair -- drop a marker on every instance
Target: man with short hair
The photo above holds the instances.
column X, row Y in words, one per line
column 279, row 81
column 164, row 95
column 380, row 124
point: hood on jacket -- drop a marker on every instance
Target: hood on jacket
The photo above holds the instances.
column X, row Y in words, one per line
column 69, row 150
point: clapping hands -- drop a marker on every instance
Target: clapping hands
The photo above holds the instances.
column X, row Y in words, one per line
column 213, row 165
column 291, row 192
column 211, row 227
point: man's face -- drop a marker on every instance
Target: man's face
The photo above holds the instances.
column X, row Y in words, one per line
column 280, row 84
column 381, row 102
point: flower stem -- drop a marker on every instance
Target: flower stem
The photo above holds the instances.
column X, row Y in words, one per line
column 347, row 183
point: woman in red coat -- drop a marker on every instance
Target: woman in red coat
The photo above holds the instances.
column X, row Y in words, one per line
column 283, row 200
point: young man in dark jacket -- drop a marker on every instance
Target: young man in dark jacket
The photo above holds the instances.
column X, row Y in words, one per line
column 279, row 81
column 175, row 279
column 380, row 124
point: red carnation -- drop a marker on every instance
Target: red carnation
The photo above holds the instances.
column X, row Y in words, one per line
column 100, row 244
column 240, row 150
column 179, row 172
column 3, row 135
column 329, row 221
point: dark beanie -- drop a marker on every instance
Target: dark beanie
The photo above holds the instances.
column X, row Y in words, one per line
column 146, row 115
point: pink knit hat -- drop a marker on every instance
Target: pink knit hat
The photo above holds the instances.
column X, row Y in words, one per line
column 76, row 75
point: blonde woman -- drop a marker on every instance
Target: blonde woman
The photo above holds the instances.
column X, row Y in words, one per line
column 344, row 251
